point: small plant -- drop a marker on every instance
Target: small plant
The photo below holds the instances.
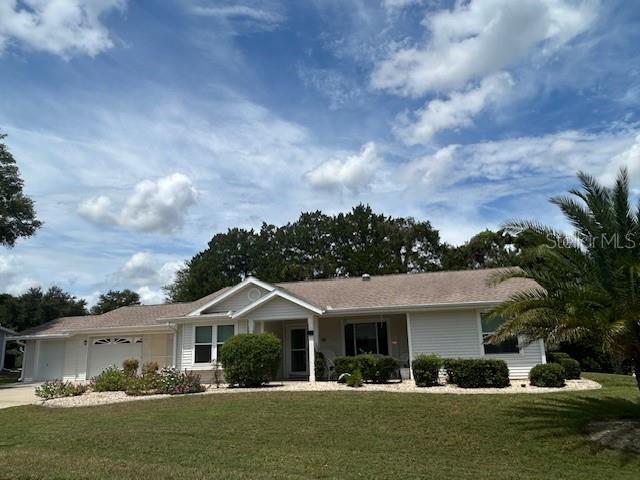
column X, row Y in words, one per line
column 355, row 379
column 426, row 370
column 218, row 374
column 343, row 377
column 250, row 359
column 58, row 388
column 571, row 368
column 320, row 366
column 477, row 372
column 112, row 379
column 547, row 375
column 130, row 366
column 150, row 367
column 175, row 382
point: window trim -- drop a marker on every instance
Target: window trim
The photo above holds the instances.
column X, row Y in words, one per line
column 214, row 341
column 481, row 334
column 366, row 320
column 195, row 344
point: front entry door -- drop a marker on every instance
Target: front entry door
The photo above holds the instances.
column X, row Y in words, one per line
column 297, row 363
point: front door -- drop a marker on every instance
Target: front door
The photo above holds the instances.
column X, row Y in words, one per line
column 297, row 352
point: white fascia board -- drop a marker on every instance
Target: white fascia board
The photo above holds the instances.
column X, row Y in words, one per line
column 272, row 295
column 188, row 318
column 50, row 336
column 231, row 292
column 411, row 308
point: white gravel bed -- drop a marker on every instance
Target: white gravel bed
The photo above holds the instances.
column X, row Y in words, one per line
column 407, row 386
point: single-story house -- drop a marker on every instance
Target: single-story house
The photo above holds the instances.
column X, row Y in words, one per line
column 402, row 315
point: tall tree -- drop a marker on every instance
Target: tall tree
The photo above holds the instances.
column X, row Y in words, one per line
column 589, row 285
column 17, row 214
column 115, row 299
column 35, row 307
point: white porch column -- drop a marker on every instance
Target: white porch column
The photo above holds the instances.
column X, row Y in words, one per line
column 250, row 326
column 409, row 343
column 312, row 348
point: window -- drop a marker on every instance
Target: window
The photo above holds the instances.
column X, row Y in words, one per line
column 203, row 344
column 224, row 333
column 369, row 337
column 488, row 327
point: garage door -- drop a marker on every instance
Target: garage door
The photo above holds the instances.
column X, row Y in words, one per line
column 50, row 360
column 106, row 351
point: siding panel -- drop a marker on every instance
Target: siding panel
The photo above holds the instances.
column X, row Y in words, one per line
column 237, row 301
column 278, row 309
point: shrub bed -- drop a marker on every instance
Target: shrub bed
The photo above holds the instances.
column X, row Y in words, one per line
column 373, row 368
column 477, row 373
column 547, row 375
column 426, row 370
column 250, row 359
column 58, row 388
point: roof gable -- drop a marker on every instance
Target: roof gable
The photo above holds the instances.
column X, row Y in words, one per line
column 228, row 297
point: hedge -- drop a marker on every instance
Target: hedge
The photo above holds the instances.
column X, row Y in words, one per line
column 426, row 370
column 547, row 375
column 477, row 373
column 250, row 359
column 374, row 368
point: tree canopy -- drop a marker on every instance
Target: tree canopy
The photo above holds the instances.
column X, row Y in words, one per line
column 17, row 213
column 35, row 307
column 115, row 299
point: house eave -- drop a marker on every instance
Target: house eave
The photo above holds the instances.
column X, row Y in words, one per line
column 335, row 312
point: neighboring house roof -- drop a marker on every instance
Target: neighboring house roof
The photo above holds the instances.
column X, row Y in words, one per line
column 6, row 330
column 384, row 291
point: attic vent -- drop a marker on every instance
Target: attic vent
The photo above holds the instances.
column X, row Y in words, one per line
column 366, row 277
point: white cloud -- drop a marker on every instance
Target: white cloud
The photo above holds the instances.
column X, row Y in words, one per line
column 60, row 27
column 400, row 4
column 479, row 38
column 12, row 277
column 154, row 206
column 260, row 15
column 353, row 172
column 145, row 268
column 337, row 87
column 629, row 158
column 150, row 296
column 455, row 111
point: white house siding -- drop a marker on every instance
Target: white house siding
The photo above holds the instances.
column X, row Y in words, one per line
column 457, row 334
column 278, row 309
column 239, row 300
column 179, row 347
column 28, row 361
column 186, row 353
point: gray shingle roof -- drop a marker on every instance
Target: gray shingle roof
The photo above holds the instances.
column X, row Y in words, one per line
column 454, row 287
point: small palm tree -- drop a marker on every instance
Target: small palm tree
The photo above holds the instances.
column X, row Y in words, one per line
column 589, row 284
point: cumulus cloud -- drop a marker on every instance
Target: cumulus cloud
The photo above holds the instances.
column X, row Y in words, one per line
column 60, row 27
column 154, row 206
column 479, row 38
column 455, row 111
column 12, row 278
column 145, row 268
column 629, row 158
column 353, row 172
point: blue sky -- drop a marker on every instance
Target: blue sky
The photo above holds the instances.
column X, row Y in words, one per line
column 143, row 128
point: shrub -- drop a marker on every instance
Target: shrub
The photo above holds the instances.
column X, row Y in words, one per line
column 148, row 383
column 355, row 379
column 175, row 382
column 250, row 359
column 547, row 375
column 344, row 365
column 373, row 368
column 320, row 366
column 571, row 368
column 150, row 367
column 58, row 388
column 426, row 369
column 477, row 373
column 130, row 366
column 556, row 357
column 112, row 379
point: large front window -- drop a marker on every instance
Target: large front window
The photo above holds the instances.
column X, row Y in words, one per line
column 366, row 337
column 490, row 325
column 203, row 344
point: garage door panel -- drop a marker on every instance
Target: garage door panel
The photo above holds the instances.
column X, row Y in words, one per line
column 107, row 351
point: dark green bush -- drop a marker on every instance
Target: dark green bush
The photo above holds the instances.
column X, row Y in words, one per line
column 373, row 368
column 112, row 379
column 477, row 372
column 556, row 357
column 250, row 359
column 320, row 366
column 547, row 375
column 130, row 366
column 426, row 369
column 571, row 368
column 58, row 388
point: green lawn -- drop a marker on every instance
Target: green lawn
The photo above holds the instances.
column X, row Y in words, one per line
column 324, row 435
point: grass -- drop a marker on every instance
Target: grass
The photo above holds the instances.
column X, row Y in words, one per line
column 324, row 435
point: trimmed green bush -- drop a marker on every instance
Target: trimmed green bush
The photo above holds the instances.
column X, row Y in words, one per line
column 477, row 373
column 373, row 368
column 58, row 388
column 320, row 366
column 355, row 379
column 571, row 368
column 112, row 379
column 547, row 375
column 426, row 369
column 556, row 357
column 250, row 359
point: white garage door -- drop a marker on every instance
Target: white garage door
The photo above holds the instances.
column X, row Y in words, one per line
column 106, row 351
column 50, row 360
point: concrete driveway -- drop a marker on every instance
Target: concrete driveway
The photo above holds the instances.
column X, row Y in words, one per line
column 16, row 394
